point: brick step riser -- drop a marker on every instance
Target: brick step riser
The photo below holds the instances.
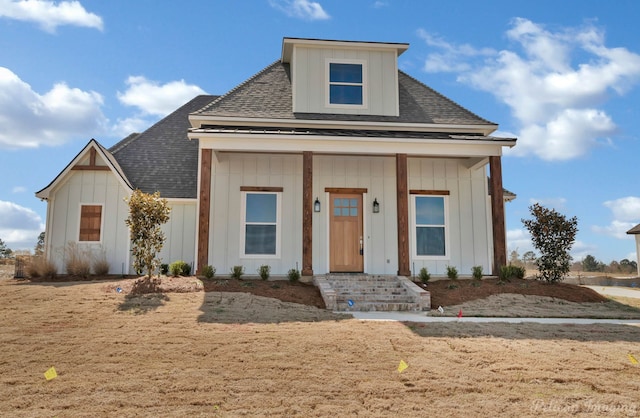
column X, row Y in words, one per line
column 372, row 307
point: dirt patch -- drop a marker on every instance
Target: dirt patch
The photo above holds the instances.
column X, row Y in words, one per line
column 186, row 356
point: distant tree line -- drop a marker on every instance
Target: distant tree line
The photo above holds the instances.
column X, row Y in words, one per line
column 589, row 263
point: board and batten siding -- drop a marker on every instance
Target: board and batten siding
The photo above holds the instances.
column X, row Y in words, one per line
column 230, row 172
column 180, row 233
column 469, row 221
column 377, row 175
column 89, row 188
column 309, row 75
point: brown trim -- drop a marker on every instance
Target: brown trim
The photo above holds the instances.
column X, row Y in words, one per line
column 92, row 163
column 260, row 189
column 351, row 190
column 497, row 214
column 307, row 213
column 205, row 208
column 430, row 192
column 403, row 215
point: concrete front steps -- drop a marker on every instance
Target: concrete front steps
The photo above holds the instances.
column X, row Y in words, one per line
column 364, row 293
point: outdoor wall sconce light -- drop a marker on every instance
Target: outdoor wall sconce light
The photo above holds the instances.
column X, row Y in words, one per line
column 376, row 206
column 316, row 205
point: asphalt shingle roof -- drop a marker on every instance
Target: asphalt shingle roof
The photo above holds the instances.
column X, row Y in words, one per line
column 162, row 158
column 634, row 230
column 268, row 95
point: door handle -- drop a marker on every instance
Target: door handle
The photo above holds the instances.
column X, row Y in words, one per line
column 361, row 247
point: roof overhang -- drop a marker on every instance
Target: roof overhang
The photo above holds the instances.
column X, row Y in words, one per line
column 635, row 230
column 289, row 43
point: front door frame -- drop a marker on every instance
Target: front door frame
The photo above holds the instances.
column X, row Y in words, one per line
column 363, row 219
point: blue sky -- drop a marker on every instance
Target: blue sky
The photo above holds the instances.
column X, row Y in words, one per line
column 562, row 76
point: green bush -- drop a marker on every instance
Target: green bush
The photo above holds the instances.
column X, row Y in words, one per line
column 209, row 272
column 264, row 271
column 424, row 275
column 476, row 272
column 510, row 271
column 452, row 272
column 237, row 272
column 294, row 275
column 164, row 269
column 179, row 268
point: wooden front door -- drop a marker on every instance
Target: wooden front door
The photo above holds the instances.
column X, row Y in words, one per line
column 345, row 232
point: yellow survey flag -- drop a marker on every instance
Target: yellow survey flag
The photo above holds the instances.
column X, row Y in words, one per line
column 402, row 366
column 632, row 359
column 51, row 373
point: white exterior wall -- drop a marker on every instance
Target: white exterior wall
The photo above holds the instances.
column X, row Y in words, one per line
column 378, row 176
column 638, row 252
column 180, row 232
column 469, row 220
column 309, row 76
column 229, row 173
column 63, row 216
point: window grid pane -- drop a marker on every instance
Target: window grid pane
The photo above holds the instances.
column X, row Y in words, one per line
column 260, row 231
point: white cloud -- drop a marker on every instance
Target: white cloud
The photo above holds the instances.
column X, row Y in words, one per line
column 301, row 9
column 128, row 126
column 520, row 240
column 19, row 189
column 556, row 103
column 581, row 249
column 157, row 99
column 19, row 226
column 626, row 215
column 29, row 119
column 616, row 229
column 50, row 15
column 380, row 4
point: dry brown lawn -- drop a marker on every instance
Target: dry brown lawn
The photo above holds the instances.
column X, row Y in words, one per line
column 234, row 354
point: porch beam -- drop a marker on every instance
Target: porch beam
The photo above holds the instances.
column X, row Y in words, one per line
column 204, row 209
column 497, row 215
column 307, row 213
column 403, row 215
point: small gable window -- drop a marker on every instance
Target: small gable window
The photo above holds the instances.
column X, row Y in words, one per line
column 347, row 83
column 261, row 234
column 90, row 223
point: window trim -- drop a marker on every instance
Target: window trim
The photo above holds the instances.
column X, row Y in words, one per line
column 364, row 84
column 413, row 225
column 243, row 223
column 80, row 206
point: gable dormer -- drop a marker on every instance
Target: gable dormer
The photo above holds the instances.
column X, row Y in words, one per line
column 343, row 77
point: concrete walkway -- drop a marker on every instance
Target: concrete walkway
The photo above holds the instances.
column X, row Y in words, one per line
column 423, row 317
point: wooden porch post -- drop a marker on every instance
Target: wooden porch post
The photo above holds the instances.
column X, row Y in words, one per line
column 403, row 215
column 497, row 215
column 307, row 213
column 204, row 209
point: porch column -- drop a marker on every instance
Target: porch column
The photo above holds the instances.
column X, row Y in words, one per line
column 307, row 213
column 497, row 215
column 204, row 209
column 403, row 215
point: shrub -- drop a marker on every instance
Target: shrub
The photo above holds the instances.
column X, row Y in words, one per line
column 510, row 271
column 43, row 268
column 264, row 271
column 237, row 272
column 209, row 272
column 164, row 268
column 293, row 275
column 424, row 275
column 100, row 264
column 77, row 261
column 476, row 272
column 452, row 272
column 179, row 268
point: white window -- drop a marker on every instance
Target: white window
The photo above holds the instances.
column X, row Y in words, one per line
column 346, row 83
column 430, row 231
column 260, row 236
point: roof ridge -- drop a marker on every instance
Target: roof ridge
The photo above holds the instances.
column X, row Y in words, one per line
column 238, row 87
column 444, row 97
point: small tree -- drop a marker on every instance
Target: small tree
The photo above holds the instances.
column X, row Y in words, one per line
column 589, row 263
column 553, row 236
column 147, row 213
column 38, row 250
column 5, row 252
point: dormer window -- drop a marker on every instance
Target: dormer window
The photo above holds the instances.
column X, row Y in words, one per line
column 347, row 83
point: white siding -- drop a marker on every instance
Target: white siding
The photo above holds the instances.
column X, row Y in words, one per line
column 309, row 75
column 469, row 230
column 89, row 187
column 229, row 173
column 180, row 232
